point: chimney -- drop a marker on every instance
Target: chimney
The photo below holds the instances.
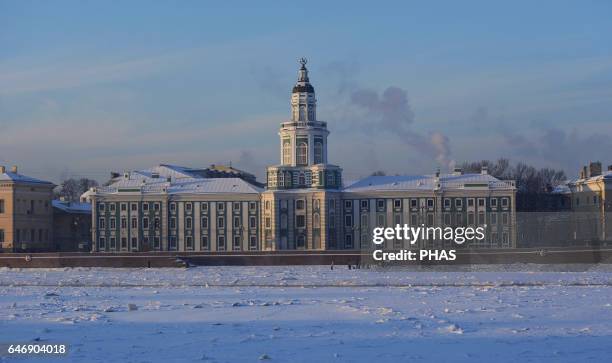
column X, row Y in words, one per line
column 610, row 167
column 584, row 173
column 457, row 171
column 14, row 169
column 2, row 169
column 595, row 168
column 484, row 170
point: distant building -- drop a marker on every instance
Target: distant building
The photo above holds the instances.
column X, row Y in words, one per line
column 305, row 205
column 71, row 226
column 26, row 217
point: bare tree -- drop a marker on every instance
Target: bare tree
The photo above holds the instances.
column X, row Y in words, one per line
column 71, row 189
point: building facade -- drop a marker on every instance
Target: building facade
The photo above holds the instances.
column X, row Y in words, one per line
column 26, row 216
column 304, row 206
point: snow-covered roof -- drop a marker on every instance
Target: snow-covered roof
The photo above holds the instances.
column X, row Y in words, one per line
column 72, row 207
column 171, row 171
column 18, row 178
column 428, row 182
column 138, row 183
column 561, row 189
column 607, row 175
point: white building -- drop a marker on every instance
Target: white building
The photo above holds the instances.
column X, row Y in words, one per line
column 304, row 205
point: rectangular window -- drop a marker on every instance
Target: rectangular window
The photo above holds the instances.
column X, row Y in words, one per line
column 481, row 219
column 348, row 204
column 300, row 221
column 220, row 222
column 470, row 220
column 459, row 218
column 156, row 207
column 145, row 223
column 252, row 206
column 204, row 223
column 447, row 219
column 145, row 207
column 113, row 243
column 253, row 242
column 380, row 204
column 493, row 202
column 348, row 241
column 189, row 242
column 381, row 220
column 430, row 219
column 134, row 243
column 430, row 203
column 364, row 204
column 470, row 202
column 101, row 207
column 134, row 207
column 156, row 243
column 236, row 222
column 111, row 207
column 188, row 223
column 481, row 202
column 253, row 222
column 397, row 203
column 124, row 243
column 505, row 219
column 221, row 206
column 414, row 219
column 268, row 222
column 112, row 223
column 173, row 223
column 504, row 202
column 364, row 221
column 414, row 203
column 102, row 223
column 123, row 207
column 299, row 204
column 205, row 245
column 221, row 243
column 458, row 203
column 348, row 221
column 447, row 203
column 494, row 218
column 102, row 243
column 1, row 206
column 134, row 223
column 1, row 235
column 172, row 242
column 188, row 207
column 173, row 207
column 157, row 223
column 236, row 206
column 505, row 238
column 204, row 207
column 331, row 222
column 236, row 242
column 397, row 218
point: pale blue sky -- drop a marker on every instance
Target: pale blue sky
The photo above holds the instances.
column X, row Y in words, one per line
column 90, row 87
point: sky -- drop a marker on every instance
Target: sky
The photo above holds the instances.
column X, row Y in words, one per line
column 90, row 87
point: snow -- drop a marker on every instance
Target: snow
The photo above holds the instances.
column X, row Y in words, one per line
column 313, row 313
column 428, row 182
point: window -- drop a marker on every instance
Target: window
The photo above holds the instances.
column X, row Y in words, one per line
column 111, row 207
column 316, row 221
column 188, row 207
column 286, row 152
column 348, row 241
column 348, row 221
column 189, row 242
column 173, row 223
column 156, row 243
column 221, row 206
column 173, row 207
column 481, row 202
column 113, row 243
column 253, row 242
column 414, row 219
column 236, row 242
column 301, row 155
column 318, row 153
column 397, row 218
column 283, row 221
column 459, row 219
column 430, row 219
column 134, row 243
column 493, row 202
column 220, row 222
column 447, row 219
column 299, row 204
column 145, row 207
column 134, row 223
column 348, row 204
column 430, row 203
column 380, row 204
column 236, row 222
column 447, row 203
column 102, row 223
column 301, row 241
column 300, row 221
column 301, row 179
column 252, row 206
column 397, row 203
column 253, row 222
column 315, row 204
column 123, row 207
column 504, row 202
column 134, row 207
column 156, row 223
column 124, row 243
column 102, row 243
column 493, row 218
column 236, row 206
column 205, row 245
column 364, row 204
column 112, row 223
column 101, row 207
column 156, row 207
column 172, row 242
column 380, row 219
column 1, row 235
column 364, row 222
column 188, row 223
column 505, row 219
column 204, row 224
column 505, row 239
column 413, row 203
column 470, row 202
column 1, row 206
column 204, row 207
column 221, row 243
column 145, row 223
column 481, row 219
column 470, row 220
column 331, row 222
column 458, row 203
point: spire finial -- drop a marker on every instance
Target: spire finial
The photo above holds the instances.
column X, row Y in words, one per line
column 303, row 61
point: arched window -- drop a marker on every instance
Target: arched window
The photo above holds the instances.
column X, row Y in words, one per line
column 301, row 179
column 287, row 153
column 301, row 154
column 302, row 113
column 318, row 153
column 316, row 221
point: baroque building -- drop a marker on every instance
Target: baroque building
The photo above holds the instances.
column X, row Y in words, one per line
column 305, row 204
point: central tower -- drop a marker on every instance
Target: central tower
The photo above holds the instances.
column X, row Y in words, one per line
column 301, row 203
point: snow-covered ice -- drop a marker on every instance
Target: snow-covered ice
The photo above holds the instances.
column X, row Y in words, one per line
column 305, row 314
